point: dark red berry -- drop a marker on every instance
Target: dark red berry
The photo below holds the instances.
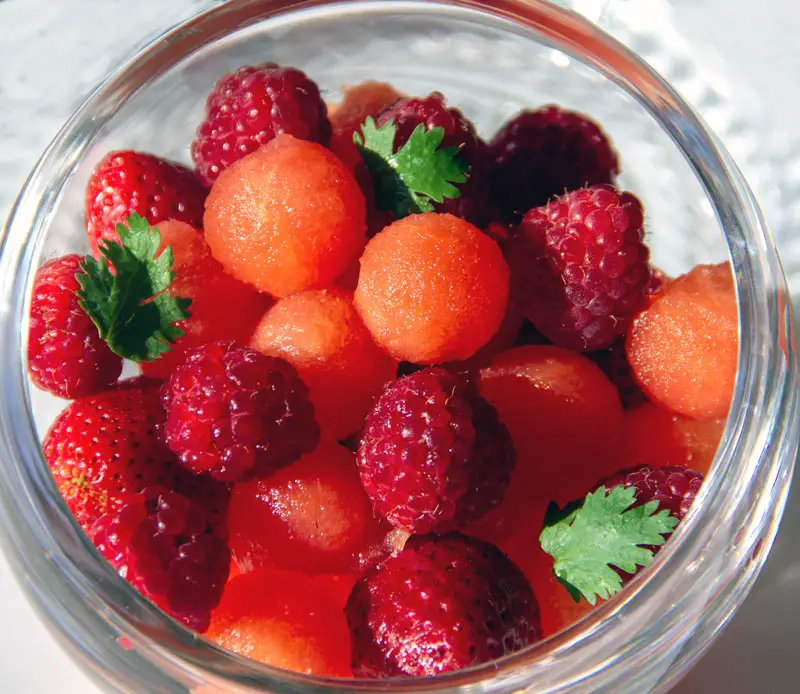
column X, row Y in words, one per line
column 66, row 356
column 540, row 154
column 579, row 267
column 432, row 111
column 165, row 546
column 126, row 182
column 249, row 107
column 433, row 454
column 674, row 487
column 445, row 602
column 237, row 414
column 614, row 363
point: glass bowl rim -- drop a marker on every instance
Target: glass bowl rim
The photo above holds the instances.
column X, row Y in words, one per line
column 733, row 203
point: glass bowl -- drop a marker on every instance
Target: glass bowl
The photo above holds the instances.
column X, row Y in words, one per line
column 490, row 59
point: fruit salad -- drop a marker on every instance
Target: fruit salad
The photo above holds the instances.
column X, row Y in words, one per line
column 411, row 397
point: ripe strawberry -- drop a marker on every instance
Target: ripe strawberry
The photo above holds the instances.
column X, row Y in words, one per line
column 249, row 107
column 125, row 182
column 442, row 604
column 104, row 448
column 66, row 356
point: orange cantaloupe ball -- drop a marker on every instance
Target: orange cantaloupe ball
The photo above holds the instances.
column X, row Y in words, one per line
column 288, row 217
column 432, row 288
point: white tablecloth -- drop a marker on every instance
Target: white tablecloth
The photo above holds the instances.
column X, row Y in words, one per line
column 52, row 52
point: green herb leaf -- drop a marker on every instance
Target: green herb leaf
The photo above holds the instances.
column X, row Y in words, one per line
column 131, row 305
column 417, row 175
column 601, row 533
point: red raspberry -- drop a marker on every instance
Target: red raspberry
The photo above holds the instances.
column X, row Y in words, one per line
column 540, row 154
column 165, row 546
column 433, row 454
column 126, row 182
column 442, row 604
column 249, row 107
column 408, row 113
column 237, row 414
column 614, row 363
column 579, row 267
column 674, row 487
column 66, row 356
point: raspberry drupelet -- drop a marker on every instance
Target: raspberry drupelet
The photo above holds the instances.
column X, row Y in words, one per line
column 249, row 107
column 580, row 268
column 433, row 454
column 165, row 545
column 433, row 112
column 445, row 602
column 125, row 182
column 66, row 356
column 540, row 154
column 236, row 414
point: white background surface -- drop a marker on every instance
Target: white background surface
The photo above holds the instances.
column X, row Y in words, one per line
column 756, row 653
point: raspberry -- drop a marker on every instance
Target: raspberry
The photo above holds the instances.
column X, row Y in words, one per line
column 126, row 182
column 165, row 546
column 579, row 267
column 249, row 107
column 614, row 363
column 287, row 217
column 432, row 111
column 674, row 488
column 433, row 454
column 237, row 414
column 442, row 604
column 540, row 154
column 432, row 288
column 66, row 356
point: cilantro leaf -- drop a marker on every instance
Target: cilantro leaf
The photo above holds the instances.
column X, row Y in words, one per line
column 601, row 533
column 419, row 174
column 131, row 305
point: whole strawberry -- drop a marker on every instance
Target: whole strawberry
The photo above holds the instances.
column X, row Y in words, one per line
column 104, row 449
column 249, row 107
column 580, row 268
column 236, row 414
column 125, row 182
column 540, row 154
column 66, row 356
column 460, row 134
column 433, row 455
column 442, row 604
column 166, row 546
